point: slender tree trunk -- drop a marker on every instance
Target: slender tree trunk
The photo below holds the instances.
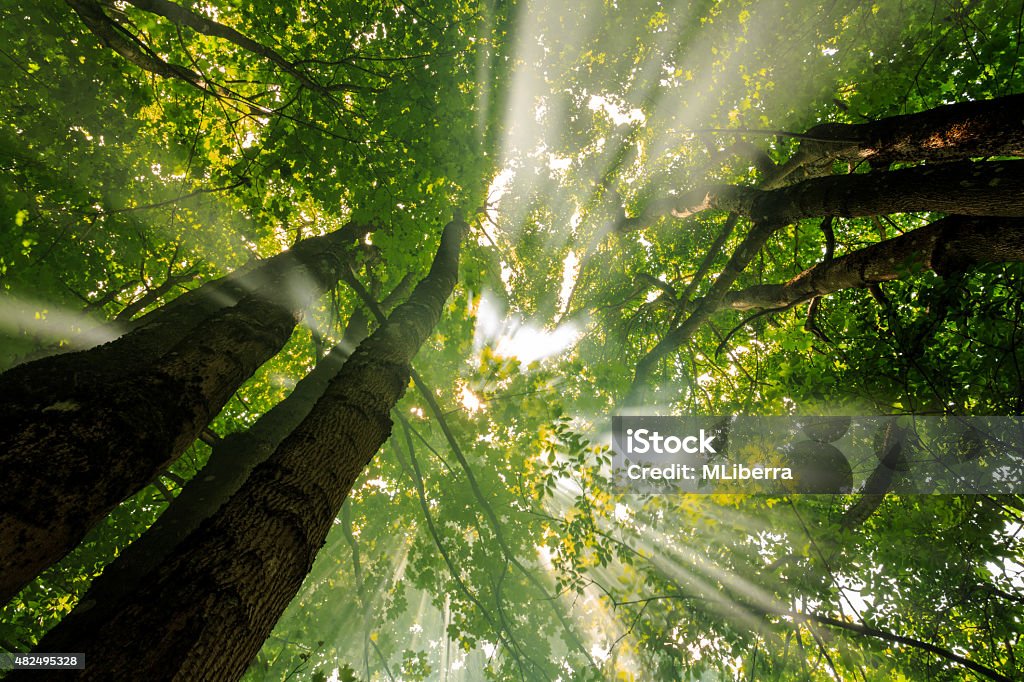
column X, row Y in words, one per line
column 155, row 294
column 705, row 308
column 205, row 613
column 85, row 430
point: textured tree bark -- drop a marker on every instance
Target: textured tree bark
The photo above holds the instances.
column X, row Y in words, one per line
column 205, row 613
column 948, row 245
column 231, row 461
column 954, row 132
column 994, row 188
column 85, row 430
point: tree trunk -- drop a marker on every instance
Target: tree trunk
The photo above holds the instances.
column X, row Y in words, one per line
column 205, row 613
column 85, row 430
column 231, row 461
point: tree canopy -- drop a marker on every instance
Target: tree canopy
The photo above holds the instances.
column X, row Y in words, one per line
column 704, row 208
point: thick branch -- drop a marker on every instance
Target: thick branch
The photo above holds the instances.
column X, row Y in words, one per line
column 982, row 189
column 947, row 245
column 954, row 132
